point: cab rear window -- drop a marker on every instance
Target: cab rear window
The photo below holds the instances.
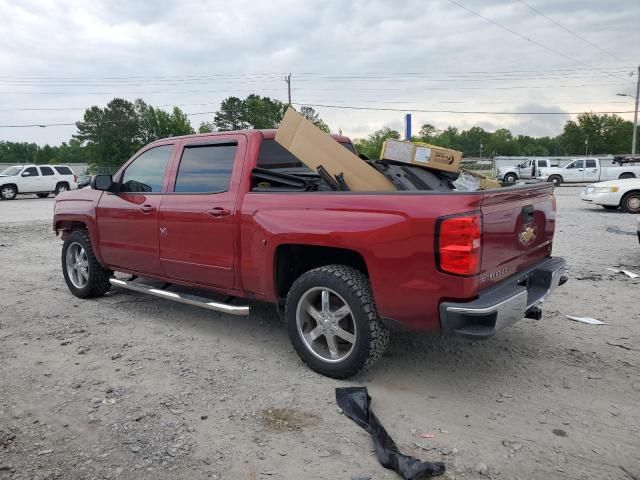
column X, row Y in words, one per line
column 275, row 156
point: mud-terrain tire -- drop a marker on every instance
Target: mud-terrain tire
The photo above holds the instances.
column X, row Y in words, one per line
column 335, row 302
column 84, row 276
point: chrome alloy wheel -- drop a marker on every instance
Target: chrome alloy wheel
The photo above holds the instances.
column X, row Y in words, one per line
column 77, row 265
column 326, row 325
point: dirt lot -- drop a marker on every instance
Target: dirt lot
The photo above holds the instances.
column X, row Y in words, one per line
column 134, row 387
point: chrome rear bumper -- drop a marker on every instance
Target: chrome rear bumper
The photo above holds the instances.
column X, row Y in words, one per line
column 503, row 304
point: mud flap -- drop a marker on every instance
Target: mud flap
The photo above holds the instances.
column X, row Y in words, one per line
column 355, row 402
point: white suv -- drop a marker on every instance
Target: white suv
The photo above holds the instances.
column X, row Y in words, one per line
column 39, row 179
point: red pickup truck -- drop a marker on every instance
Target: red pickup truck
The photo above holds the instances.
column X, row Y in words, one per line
column 236, row 214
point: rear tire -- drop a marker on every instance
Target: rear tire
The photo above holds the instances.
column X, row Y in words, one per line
column 8, row 192
column 61, row 187
column 84, row 276
column 626, row 175
column 340, row 334
column 510, row 178
column 630, row 203
column 556, row 180
column 42, row 195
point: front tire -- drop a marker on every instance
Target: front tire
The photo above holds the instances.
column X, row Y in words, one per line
column 510, row 178
column 610, row 207
column 84, row 276
column 8, row 192
column 556, row 180
column 333, row 322
column 42, row 195
column 631, row 202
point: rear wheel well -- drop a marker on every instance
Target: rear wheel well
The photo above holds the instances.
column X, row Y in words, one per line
column 626, row 175
column 292, row 260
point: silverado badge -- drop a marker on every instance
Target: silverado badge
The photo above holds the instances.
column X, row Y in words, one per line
column 528, row 234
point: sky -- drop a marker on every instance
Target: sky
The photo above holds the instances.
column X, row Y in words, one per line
column 435, row 59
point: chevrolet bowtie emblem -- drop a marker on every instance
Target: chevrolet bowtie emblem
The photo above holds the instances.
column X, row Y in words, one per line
column 528, row 234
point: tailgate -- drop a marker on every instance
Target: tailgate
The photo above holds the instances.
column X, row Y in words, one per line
column 517, row 230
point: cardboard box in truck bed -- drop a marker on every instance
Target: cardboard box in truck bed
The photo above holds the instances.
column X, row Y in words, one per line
column 313, row 147
column 423, row 154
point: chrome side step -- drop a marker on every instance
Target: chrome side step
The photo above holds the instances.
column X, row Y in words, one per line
column 183, row 298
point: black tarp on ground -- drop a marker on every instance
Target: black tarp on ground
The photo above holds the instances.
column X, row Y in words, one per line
column 355, row 403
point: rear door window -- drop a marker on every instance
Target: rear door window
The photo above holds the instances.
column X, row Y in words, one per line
column 46, row 171
column 206, row 168
column 591, row 164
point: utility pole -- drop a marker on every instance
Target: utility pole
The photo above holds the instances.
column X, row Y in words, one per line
column 287, row 79
column 586, row 146
column 481, row 151
column 635, row 116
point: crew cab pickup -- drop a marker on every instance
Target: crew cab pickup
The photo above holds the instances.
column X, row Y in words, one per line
column 523, row 171
column 41, row 180
column 588, row 170
column 234, row 213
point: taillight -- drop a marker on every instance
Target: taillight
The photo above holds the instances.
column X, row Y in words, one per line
column 459, row 244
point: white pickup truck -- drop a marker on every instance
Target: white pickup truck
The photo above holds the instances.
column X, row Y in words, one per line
column 525, row 170
column 38, row 179
column 587, row 170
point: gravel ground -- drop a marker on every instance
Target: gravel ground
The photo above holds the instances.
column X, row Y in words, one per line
column 134, row 387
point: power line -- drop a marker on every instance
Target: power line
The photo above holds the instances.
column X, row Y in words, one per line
column 409, row 109
column 598, row 47
column 513, row 32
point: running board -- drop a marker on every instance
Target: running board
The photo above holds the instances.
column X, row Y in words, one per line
column 183, row 298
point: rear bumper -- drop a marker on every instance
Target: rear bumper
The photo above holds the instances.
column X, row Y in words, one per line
column 505, row 303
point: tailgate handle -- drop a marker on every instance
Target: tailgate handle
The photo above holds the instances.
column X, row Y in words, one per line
column 527, row 214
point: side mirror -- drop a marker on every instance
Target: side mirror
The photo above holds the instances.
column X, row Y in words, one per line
column 102, row 182
column 26, row 174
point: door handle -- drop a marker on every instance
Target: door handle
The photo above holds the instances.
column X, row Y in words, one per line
column 219, row 212
column 147, row 208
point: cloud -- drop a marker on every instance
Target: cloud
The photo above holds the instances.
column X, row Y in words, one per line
column 74, row 54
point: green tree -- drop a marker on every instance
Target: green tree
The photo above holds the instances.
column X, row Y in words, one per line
column 372, row 145
column 231, row 115
column 314, row 117
column 156, row 123
column 111, row 134
column 427, row 132
column 263, row 112
column 206, row 127
column 605, row 134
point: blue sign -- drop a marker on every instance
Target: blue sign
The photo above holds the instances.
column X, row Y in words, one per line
column 407, row 126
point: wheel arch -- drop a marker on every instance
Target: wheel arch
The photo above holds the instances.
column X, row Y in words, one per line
column 10, row 184
column 292, row 260
column 626, row 175
column 66, row 224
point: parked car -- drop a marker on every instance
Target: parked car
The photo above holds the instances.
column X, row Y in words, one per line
column 525, row 170
column 237, row 214
column 623, row 194
column 588, row 170
column 41, row 180
column 84, row 181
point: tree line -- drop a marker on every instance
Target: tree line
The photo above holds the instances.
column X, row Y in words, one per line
column 590, row 132
column 107, row 137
